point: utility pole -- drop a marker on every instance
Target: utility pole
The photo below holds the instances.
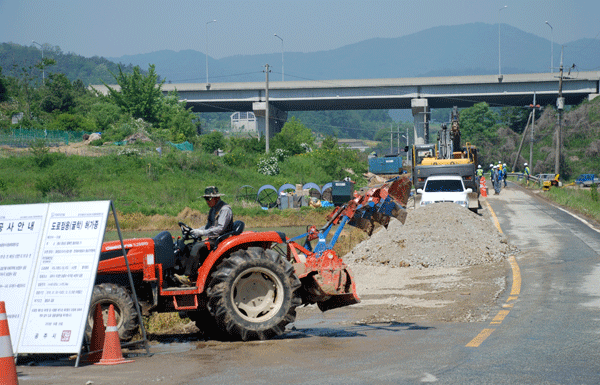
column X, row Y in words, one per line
column 392, row 132
column 531, row 118
column 560, row 105
column 534, row 106
column 43, row 65
column 514, row 167
column 398, row 138
column 267, row 109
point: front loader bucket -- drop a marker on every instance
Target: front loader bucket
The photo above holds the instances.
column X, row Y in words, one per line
column 339, row 300
column 328, row 281
column 400, row 190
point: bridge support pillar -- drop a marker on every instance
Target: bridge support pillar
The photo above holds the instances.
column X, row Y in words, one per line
column 421, row 113
column 277, row 118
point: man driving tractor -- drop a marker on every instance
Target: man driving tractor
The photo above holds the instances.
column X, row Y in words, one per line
column 220, row 221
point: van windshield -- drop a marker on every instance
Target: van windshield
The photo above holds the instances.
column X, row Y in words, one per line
column 444, row 186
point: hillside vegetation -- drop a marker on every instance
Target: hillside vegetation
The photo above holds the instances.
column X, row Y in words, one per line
column 139, row 120
column 15, row 58
column 139, row 179
column 581, row 142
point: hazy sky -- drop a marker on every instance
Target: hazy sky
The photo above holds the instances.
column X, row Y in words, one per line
column 113, row 28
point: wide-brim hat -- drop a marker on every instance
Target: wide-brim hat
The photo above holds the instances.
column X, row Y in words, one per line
column 212, row 192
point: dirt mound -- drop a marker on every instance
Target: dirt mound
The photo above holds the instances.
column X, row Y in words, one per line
column 438, row 235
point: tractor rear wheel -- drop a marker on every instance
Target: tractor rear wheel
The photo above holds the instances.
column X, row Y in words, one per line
column 253, row 294
column 107, row 294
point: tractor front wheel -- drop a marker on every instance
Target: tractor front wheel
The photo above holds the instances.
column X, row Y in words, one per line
column 107, row 294
column 253, row 294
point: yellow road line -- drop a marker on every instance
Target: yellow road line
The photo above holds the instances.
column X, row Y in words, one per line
column 475, row 342
column 516, row 285
column 514, row 293
column 494, row 217
column 499, row 317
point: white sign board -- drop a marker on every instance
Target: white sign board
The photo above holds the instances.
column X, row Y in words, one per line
column 21, row 229
column 59, row 288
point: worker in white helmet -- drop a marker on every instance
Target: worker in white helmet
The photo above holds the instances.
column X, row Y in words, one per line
column 504, row 172
column 527, row 172
column 497, row 180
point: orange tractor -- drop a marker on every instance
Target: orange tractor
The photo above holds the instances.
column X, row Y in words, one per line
column 251, row 283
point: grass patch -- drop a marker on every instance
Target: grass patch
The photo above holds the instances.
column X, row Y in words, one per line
column 162, row 322
column 578, row 199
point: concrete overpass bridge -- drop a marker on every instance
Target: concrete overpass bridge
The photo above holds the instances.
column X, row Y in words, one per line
column 418, row 94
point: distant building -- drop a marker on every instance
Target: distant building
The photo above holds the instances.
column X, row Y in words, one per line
column 244, row 121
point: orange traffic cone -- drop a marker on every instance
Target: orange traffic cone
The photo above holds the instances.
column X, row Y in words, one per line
column 482, row 187
column 8, row 370
column 111, row 354
column 97, row 340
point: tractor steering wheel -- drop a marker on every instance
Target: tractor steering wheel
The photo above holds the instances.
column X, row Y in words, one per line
column 185, row 230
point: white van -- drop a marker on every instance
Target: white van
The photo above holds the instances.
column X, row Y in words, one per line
column 444, row 188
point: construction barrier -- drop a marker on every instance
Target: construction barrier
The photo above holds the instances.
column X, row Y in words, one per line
column 111, row 354
column 482, row 187
column 8, row 370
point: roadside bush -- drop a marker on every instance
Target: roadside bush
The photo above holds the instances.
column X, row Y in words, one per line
column 239, row 158
column 281, row 154
column 594, row 192
column 213, row 141
column 248, row 145
column 71, row 122
column 41, row 153
column 60, row 181
column 119, row 131
column 115, row 165
column 177, row 160
column 104, row 115
column 303, row 169
column 268, row 165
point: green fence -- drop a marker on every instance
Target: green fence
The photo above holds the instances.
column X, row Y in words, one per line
column 23, row 137
column 185, row 146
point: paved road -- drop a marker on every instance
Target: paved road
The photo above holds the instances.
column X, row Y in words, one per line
column 551, row 334
column 545, row 329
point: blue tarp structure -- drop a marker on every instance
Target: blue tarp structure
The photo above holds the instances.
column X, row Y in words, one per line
column 584, row 178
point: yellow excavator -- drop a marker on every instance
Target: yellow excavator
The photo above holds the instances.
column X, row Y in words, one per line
column 447, row 157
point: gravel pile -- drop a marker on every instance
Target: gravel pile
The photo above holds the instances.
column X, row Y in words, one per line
column 437, row 235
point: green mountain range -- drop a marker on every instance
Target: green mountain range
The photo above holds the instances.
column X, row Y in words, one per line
column 469, row 49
